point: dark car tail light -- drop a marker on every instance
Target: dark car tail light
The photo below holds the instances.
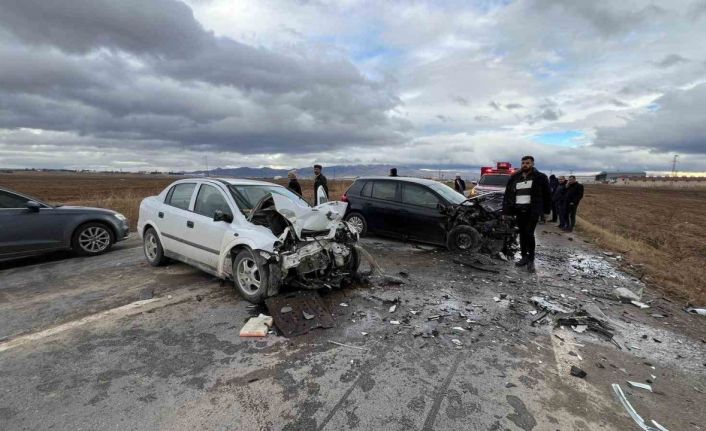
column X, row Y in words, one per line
column 344, row 198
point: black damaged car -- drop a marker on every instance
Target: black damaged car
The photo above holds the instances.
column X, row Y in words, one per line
column 428, row 211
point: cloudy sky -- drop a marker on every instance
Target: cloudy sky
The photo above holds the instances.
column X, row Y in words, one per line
column 145, row 84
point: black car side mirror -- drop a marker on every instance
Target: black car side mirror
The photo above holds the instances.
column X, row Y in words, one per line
column 33, row 206
column 222, row 216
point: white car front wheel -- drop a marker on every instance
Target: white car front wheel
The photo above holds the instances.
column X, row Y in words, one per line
column 251, row 278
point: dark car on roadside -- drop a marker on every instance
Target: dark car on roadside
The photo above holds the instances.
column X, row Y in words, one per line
column 428, row 211
column 30, row 227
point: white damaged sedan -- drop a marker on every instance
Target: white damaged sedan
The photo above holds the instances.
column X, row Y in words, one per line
column 258, row 234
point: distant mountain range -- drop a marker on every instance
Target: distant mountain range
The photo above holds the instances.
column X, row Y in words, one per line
column 347, row 171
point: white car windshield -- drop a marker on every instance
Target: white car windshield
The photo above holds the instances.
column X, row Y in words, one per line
column 247, row 196
column 448, row 193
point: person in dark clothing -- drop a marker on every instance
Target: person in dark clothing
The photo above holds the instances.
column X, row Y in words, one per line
column 393, row 172
column 294, row 183
column 459, row 184
column 553, row 184
column 527, row 197
column 319, row 180
column 574, row 194
column 559, row 202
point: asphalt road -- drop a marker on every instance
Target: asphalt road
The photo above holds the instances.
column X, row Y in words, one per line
column 78, row 352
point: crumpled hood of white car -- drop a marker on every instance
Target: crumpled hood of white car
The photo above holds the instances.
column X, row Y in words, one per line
column 326, row 216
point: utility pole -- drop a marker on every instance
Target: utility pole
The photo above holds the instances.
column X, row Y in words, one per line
column 674, row 165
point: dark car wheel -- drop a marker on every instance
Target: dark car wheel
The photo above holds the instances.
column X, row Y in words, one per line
column 152, row 247
column 251, row 279
column 463, row 239
column 358, row 222
column 92, row 239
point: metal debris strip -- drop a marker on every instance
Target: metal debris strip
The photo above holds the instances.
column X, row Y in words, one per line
column 471, row 264
column 633, row 414
column 549, row 306
column 349, row 345
column 582, row 317
column 303, row 303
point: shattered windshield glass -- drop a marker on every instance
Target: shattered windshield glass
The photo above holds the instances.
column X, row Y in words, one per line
column 448, row 193
column 247, row 196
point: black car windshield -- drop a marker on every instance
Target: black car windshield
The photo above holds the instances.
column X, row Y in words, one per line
column 248, row 195
column 494, row 180
column 446, row 192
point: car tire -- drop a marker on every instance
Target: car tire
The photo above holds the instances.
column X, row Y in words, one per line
column 357, row 220
column 463, row 239
column 92, row 239
column 250, row 277
column 152, row 247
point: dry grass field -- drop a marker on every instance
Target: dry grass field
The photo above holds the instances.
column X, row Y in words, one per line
column 660, row 230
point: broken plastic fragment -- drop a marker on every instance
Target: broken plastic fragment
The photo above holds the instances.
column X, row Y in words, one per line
column 284, row 310
column 639, row 304
column 640, row 385
column 577, row 372
column 343, row 304
column 699, row 311
column 626, row 295
column 307, row 316
column 631, row 411
column 256, row 326
column 394, row 322
column 457, row 342
column 393, row 308
column 458, row 328
column 496, row 299
column 580, row 328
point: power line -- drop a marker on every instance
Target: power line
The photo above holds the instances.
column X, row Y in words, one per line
column 674, row 165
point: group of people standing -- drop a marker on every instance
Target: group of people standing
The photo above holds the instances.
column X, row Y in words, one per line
column 319, row 181
column 566, row 196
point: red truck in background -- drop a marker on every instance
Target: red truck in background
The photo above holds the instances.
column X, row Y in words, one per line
column 493, row 179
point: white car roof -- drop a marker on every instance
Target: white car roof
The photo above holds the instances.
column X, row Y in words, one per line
column 243, row 182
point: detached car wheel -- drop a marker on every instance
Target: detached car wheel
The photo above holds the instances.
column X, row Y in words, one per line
column 357, row 220
column 92, row 239
column 463, row 239
column 152, row 247
column 250, row 277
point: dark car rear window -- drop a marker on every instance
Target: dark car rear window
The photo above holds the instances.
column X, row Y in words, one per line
column 494, row 180
column 354, row 189
column 385, row 190
column 367, row 189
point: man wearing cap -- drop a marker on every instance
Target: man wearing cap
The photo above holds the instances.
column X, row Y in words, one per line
column 527, row 197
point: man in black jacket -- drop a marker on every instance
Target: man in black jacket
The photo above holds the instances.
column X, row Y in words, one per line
column 294, row 183
column 319, row 180
column 574, row 194
column 559, row 202
column 459, row 184
column 527, row 197
column 553, row 184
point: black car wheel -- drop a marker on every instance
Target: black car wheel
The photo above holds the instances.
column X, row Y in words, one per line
column 92, row 239
column 358, row 222
column 463, row 239
column 250, row 278
column 152, row 247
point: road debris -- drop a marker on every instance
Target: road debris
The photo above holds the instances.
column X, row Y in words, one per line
column 624, row 294
column 393, row 308
column 256, row 326
column 583, row 318
column 394, row 322
column 577, row 372
column 639, row 304
column 640, row 385
column 146, row 294
column 549, row 306
column 347, row 345
column 457, row 343
column 471, row 264
column 631, row 411
column 343, row 304
column 699, row 311
column 306, row 312
column 580, row 328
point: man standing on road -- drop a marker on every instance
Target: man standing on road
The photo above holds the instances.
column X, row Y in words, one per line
column 393, row 172
column 559, row 201
column 319, row 180
column 527, row 197
column 459, row 184
column 553, row 184
column 294, row 183
column 574, row 194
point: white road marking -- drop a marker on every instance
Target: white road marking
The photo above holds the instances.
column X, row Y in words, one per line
column 122, row 311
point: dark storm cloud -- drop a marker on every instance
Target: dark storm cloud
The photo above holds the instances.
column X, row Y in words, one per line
column 148, row 71
column 676, row 125
column 513, row 106
column 671, row 60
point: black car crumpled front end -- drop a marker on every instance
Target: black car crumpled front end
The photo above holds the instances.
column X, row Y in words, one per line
column 477, row 225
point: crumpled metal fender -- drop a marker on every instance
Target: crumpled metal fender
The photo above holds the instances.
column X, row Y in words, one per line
column 256, row 238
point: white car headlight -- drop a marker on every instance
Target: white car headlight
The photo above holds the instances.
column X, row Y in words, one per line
column 120, row 217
